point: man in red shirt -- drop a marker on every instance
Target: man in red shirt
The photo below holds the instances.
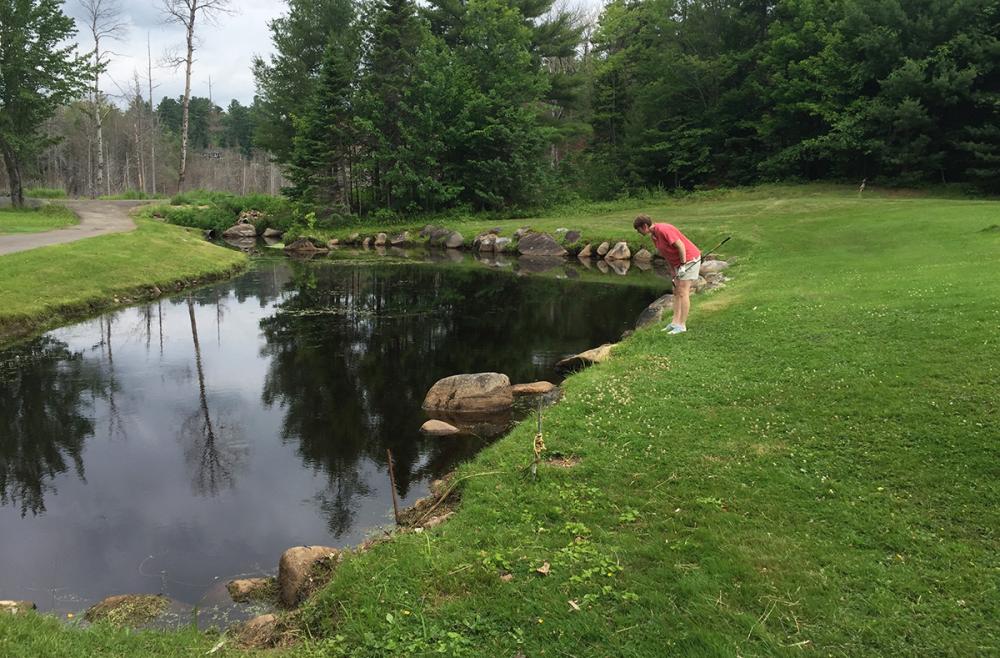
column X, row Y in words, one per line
column 684, row 260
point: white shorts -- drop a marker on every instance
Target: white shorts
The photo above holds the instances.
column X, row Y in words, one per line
column 692, row 272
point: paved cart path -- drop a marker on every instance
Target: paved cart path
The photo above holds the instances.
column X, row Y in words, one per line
column 96, row 218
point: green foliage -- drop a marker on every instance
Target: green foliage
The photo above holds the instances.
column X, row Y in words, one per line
column 131, row 195
column 26, row 220
column 41, row 71
column 44, row 193
column 219, row 210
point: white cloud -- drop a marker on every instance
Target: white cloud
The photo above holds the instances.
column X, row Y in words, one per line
column 224, row 53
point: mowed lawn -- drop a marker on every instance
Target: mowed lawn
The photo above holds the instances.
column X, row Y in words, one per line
column 813, row 469
column 43, row 287
column 35, row 220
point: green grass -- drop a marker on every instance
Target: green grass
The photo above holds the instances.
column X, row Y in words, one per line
column 813, row 467
column 49, row 286
column 34, row 220
column 44, row 193
column 131, row 195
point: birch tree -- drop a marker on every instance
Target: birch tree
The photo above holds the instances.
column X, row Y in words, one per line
column 105, row 24
column 186, row 13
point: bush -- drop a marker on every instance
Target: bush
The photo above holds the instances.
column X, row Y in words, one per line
column 220, row 210
column 44, row 193
column 131, row 195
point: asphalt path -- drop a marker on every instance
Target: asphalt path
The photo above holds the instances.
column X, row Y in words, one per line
column 96, row 218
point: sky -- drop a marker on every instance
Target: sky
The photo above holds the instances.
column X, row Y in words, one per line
column 224, row 53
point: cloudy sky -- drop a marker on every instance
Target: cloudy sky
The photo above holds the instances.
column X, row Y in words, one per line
column 224, row 52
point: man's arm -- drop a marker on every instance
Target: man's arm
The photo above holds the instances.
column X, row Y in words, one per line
column 681, row 250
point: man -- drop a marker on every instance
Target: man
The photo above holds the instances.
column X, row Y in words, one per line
column 684, row 260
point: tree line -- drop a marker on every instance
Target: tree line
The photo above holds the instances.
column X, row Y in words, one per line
column 387, row 106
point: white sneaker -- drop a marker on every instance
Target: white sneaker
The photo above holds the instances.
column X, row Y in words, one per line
column 668, row 327
column 676, row 330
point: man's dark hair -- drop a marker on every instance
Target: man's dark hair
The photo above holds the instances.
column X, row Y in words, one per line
column 642, row 220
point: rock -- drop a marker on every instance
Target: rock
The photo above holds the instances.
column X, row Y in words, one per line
column 716, row 277
column 454, row 240
column 261, row 624
column 539, row 244
column 571, row 237
column 303, row 245
column 208, row 234
column 654, row 312
column 584, row 359
column 426, row 231
column 16, row 607
column 482, row 392
column 367, row 243
column 435, row 521
column 603, row 248
column 245, row 589
column 713, row 266
column 496, row 230
column 500, row 244
column 129, row 610
column 619, row 252
column 294, row 570
column 562, row 230
column 240, row 231
column 521, row 232
column 487, row 243
column 620, row 267
column 699, row 285
column 381, row 239
column 401, row 240
column 643, row 256
column 333, row 242
column 353, row 238
column 585, row 253
column 258, row 633
column 534, row 388
column 273, row 233
column 438, row 428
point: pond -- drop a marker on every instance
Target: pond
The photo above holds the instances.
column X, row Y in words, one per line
column 166, row 448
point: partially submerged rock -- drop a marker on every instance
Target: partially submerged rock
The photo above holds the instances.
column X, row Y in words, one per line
column 588, row 358
column 472, row 393
column 295, row 568
column 585, row 253
column 654, row 312
column 128, row 610
column 539, row 244
column 304, row 245
column 401, row 240
column 534, row 388
column 619, row 252
column 454, row 240
column 240, row 231
column 642, row 256
column 273, row 233
column 381, row 239
column 439, row 428
column 16, row 607
column 603, row 248
column 246, row 589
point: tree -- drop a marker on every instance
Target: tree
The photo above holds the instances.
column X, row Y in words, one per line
column 104, row 21
column 292, row 73
column 39, row 74
column 185, row 13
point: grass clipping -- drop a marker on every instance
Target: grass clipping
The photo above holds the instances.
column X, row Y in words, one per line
column 129, row 610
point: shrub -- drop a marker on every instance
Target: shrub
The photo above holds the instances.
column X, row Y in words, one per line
column 44, row 193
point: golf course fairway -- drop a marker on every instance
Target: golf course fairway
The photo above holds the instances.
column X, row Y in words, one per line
column 812, row 469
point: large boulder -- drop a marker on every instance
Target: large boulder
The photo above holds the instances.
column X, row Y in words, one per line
column 401, row 240
column 603, row 249
column 295, row 568
column 240, row 231
column 128, row 610
column 273, row 233
column 713, row 266
column 619, row 252
column 539, row 244
column 654, row 312
column 500, row 244
column 454, row 240
column 588, row 358
column 521, row 232
column 643, row 256
column 571, row 237
column 585, row 253
column 381, row 239
column 476, row 393
column 438, row 428
column 246, row 589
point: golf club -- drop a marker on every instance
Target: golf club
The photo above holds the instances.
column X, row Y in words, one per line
column 703, row 256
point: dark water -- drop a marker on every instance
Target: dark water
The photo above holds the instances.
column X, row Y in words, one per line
column 167, row 448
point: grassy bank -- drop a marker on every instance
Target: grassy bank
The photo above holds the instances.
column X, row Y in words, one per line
column 812, row 467
column 35, row 220
column 49, row 286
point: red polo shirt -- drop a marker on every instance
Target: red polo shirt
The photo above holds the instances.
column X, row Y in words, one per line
column 664, row 236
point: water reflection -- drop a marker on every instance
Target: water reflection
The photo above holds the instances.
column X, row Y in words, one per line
column 213, row 456
column 45, row 415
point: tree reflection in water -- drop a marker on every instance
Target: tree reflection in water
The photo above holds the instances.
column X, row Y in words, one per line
column 211, row 448
column 46, row 401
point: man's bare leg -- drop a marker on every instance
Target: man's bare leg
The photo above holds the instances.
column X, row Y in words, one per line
column 682, row 302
